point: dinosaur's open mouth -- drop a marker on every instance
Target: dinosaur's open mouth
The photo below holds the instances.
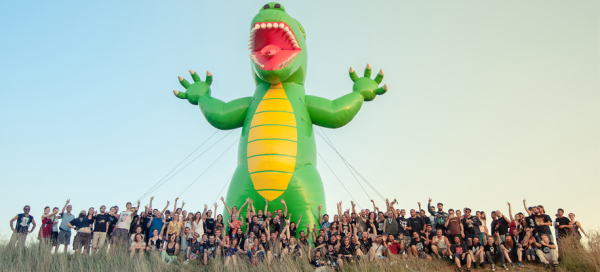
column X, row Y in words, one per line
column 273, row 45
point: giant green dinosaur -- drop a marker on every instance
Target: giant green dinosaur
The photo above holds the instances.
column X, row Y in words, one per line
column 277, row 155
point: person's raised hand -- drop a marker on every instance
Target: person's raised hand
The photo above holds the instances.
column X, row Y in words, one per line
column 223, row 199
column 151, row 198
column 282, row 201
column 177, row 198
column 319, row 207
column 266, row 201
column 430, row 200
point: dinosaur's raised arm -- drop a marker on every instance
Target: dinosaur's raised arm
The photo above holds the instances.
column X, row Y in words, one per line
column 224, row 115
column 333, row 114
column 339, row 112
column 221, row 115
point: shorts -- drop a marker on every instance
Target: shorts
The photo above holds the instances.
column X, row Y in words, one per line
column 82, row 239
column 120, row 235
column 463, row 260
column 54, row 238
column 64, row 238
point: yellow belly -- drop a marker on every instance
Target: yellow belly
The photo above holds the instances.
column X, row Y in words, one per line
column 272, row 144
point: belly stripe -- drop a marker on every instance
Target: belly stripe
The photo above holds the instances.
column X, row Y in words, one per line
column 272, row 146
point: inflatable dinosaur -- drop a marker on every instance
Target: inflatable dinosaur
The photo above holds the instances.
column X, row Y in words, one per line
column 277, row 155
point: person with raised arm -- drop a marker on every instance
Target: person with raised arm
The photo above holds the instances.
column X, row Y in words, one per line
column 440, row 216
column 21, row 229
column 64, row 234
column 324, row 222
column 210, row 220
column 234, row 209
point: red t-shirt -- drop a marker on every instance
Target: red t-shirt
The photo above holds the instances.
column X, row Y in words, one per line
column 235, row 224
column 394, row 248
column 47, row 227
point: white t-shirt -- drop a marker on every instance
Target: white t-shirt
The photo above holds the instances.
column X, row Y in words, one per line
column 378, row 249
column 125, row 219
column 199, row 228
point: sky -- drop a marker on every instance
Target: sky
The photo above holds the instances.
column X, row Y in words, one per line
column 489, row 102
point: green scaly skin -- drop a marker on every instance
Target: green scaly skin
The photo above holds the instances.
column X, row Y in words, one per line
column 305, row 190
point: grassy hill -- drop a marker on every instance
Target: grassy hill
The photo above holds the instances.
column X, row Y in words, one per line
column 36, row 257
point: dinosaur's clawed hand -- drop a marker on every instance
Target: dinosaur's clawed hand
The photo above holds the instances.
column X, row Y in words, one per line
column 194, row 91
column 367, row 87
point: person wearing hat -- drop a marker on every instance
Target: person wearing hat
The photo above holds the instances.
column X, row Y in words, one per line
column 83, row 226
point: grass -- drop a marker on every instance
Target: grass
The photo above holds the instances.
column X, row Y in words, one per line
column 37, row 257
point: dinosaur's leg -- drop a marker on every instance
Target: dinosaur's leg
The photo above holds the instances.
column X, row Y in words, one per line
column 303, row 196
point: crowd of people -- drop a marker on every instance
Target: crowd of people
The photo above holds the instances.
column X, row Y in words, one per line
column 464, row 238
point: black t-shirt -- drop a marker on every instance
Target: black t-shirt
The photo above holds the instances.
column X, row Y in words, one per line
column 546, row 249
column 418, row 244
column 475, row 247
column 541, row 218
column 194, row 247
column 502, row 226
column 254, row 227
column 402, row 224
column 332, row 243
column 304, row 241
column 80, row 222
column 416, row 224
column 100, row 222
column 209, row 224
column 331, row 257
column 261, row 219
column 111, row 226
column 468, row 227
column 210, row 248
column 293, row 231
column 563, row 221
column 157, row 244
column 345, row 230
column 494, row 223
column 347, row 250
column 493, row 250
column 459, row 249
column 426, row 220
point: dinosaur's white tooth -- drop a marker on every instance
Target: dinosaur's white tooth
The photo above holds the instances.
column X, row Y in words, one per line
column 381, row 72
column 256, row 27
column 286, row 29
column 296, row 46
column 280, row 66
column 275, row 26
column 252, row 34
column 269, row 26
column 263, row 25
column 281, row 25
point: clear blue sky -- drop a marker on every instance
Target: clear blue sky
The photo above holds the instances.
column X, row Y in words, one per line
column 489, row 101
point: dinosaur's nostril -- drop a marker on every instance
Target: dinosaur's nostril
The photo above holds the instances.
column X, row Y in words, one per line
column 277, row 6
column 266, row 6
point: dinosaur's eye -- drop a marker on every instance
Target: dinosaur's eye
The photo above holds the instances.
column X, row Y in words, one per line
column 266, row 6
column 277, row 6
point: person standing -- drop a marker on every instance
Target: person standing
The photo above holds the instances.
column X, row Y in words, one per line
column 563, row 225
column 440, row 216
column 121, row 234
column 83, row 238
column 101, row 223
column 22, row 227
column 46, row 228
column 64, row 234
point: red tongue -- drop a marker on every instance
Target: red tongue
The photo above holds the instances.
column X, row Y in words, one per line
column 270, row 50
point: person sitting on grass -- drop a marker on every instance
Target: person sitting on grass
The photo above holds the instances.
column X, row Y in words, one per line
column 461, row 254
column 439, row 244
column 546, row 251
column 493, row 253
column 171, row 249
column 138, row 246
column 476, row 251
